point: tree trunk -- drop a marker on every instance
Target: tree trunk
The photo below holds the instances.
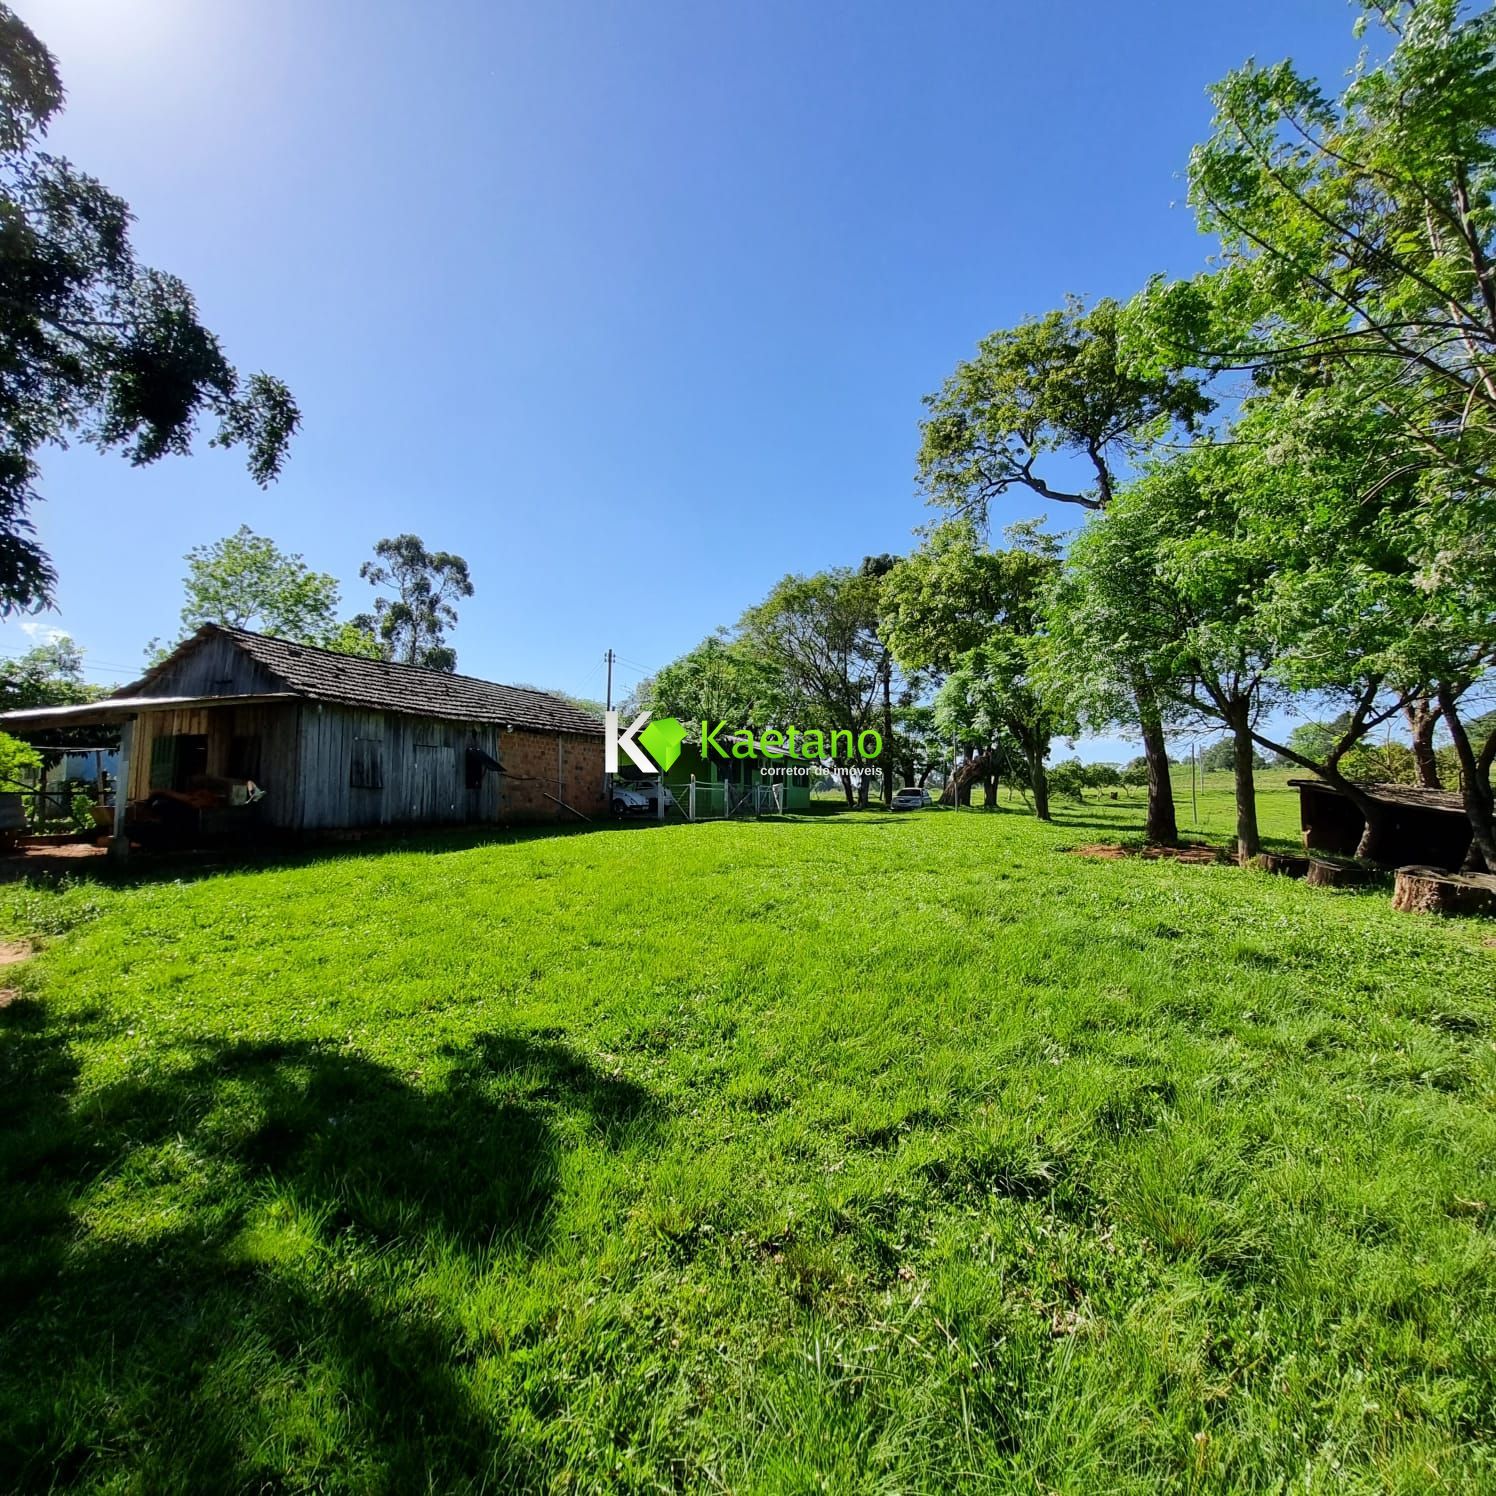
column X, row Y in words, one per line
column 864, row 788
column 1377, row 814
column 1324, row 874
column 1430, row 890
column 887, row 731
column 1161, row 827
column 1423, row 718
column 1040, row 785
column 1038, row 779
column 1475, row 785
column 847, row 790
column 964, row 775
column 1374, row 839
column 1248, row 841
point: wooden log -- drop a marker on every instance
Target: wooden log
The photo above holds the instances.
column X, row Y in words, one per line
column 1276, row 862
column 1323, row 874
column 1430, row 890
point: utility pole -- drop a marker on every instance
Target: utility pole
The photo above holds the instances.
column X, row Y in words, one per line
column 610, row 657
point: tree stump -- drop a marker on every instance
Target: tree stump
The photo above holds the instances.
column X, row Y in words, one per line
column 1324, row 874
column 1430, row 890
column 1288, row 867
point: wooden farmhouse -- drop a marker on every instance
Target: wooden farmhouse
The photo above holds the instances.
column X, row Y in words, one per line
column 237, row 730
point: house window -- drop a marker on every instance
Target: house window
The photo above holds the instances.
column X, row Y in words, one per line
column 366, row 769
column 177, row 759
column 244, row 756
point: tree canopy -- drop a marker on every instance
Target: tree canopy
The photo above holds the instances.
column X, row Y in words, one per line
column 412, row 625
column 246, row 581
column 95, row 345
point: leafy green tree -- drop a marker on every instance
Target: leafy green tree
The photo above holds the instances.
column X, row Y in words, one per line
column 1053, row 385
column 1103, row 776
column 49, row 674
column 246, row 581
column 1057, row 386
column 1164, row 585
column 1070, row 778
column 917, row 747
column 1386, row 762
column 426, row 584
column 972, row 712
column 1384, row 593
column 1245, row 570
column 1357, row 235
column 1220, row 757
column 976, row 616
column 875, row 568
column 1356, row 280
column 356, row 636
column 817, row 637
column 20, row 763
column 718, row 681
column 1314, row 740
column 94, row 344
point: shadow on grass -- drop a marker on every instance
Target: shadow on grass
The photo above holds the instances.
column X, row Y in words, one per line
column 190, row 865
column 251, row 1223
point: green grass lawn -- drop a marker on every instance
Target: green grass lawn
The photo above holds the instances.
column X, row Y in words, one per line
column 848, row 1153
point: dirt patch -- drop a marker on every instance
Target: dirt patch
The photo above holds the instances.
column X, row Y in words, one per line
column 34, row 857
column 1108, row 853
column 7, row 996
column 12, row 951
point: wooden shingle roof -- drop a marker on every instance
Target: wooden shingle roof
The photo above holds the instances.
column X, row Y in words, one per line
column 381, row 685
column 1414, row 796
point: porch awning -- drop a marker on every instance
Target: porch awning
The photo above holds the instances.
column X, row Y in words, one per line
column 120, row 708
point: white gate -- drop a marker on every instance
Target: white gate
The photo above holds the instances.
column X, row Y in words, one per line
column 701, row 800
column 755, row 799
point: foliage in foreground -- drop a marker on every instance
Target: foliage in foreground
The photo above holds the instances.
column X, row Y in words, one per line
column 842, row 1153
column 95, row 346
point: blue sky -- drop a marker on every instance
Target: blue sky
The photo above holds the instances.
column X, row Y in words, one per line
column 632, row 304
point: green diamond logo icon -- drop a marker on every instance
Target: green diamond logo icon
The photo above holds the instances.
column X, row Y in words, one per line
column 661, row 740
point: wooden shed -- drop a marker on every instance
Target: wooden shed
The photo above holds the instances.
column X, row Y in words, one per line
column 243, row 729
column 1427, row 826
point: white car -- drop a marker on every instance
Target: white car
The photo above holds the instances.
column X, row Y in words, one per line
column 911, row 798
column 628, row 800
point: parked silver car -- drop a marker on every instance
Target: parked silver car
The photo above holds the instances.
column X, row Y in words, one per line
column 630, row 800
column 911, row 798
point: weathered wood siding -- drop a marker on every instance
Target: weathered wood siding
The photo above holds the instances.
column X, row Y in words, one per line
column 274, row 725
column 326, row 767
column 216, row 667
column 421, row 770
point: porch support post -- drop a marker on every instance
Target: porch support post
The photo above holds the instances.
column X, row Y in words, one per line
column 119, row 843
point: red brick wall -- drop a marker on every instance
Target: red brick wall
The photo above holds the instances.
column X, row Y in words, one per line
column 567, row 765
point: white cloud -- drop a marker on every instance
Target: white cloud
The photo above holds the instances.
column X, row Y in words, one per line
column 43, row 633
